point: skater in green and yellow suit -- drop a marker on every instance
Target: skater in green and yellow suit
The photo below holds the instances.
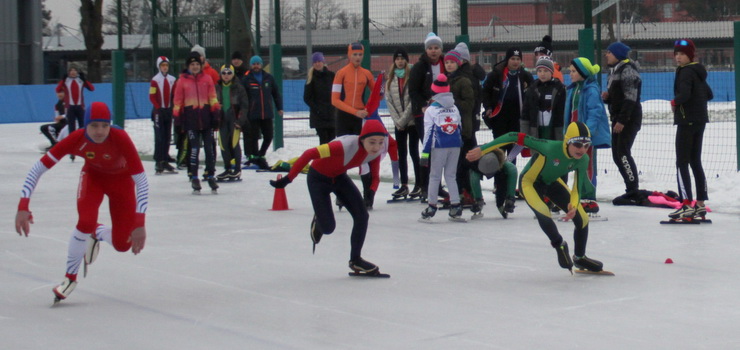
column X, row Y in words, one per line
column 542, row 177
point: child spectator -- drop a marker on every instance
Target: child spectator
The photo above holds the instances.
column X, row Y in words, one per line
column 544, row 103
column 464, row 95
column 443, row 141
column 161, row 91
column 690, row 117
column 233, row 100
column 74, row 101
column 52, row 131
column 583, row 104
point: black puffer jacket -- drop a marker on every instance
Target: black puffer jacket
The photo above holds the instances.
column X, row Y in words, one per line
column 317, row 95
column 692, row 93
column 625, row 88
column 420, row 83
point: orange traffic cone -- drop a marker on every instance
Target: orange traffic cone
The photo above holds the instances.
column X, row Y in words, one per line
column 280, row 200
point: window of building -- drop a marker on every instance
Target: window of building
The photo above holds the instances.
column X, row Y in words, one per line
column 667, row 10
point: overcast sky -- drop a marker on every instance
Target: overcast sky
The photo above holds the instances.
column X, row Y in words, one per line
column 66, row 12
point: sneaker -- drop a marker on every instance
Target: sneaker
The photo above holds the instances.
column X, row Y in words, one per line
column 455, row 211
column 700, row 210
column 401, row 192
column 590, row 206
column 684, row 212
column 586, row 263
column 63, row 290
column 223, row 176
column 315, row 233
column 361, row 265
column 429, row 212
column 563, row 255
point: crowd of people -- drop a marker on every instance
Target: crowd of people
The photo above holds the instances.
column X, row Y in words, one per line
column 436, row 104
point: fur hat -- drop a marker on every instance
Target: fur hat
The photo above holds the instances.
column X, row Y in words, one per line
column 619, row 50
column 440, row 84
column 432, row 39
column 462, row 48
column 545, row 46
column 686, row 46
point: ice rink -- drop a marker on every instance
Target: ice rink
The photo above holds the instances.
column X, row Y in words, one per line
column 224, row 272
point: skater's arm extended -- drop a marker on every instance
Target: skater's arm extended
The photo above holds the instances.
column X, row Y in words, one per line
column 326, row 150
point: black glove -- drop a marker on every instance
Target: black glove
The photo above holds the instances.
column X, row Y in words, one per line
column 281, row 183
column 369, row 198
column 81, row 75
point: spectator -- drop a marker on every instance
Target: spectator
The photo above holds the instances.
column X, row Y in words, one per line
column 691, row 117
column 240, row 69
column 625, row 111
column 74, row 101
column 52, row 131
column 464, row 97
column 317, row 95
column 544, row 104
column 233, row 100
column 262, row 91
column 207, row 69
column 544, row 48
column 161, row 91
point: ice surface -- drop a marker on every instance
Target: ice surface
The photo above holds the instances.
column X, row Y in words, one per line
column 224, row 272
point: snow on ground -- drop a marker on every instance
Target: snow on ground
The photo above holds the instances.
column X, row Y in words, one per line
column 224, row 272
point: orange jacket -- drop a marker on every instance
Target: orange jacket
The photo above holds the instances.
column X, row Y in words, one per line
column 349, row 87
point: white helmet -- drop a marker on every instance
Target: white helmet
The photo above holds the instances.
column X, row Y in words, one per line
column 162, row 59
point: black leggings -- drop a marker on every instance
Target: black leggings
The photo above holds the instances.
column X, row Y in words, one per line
column 422, row 180
column 319, row 187
column 622, row 156
column 407, row 140
column 162, row 119
column 75, row 117
column 689, row 140
column 195, row 137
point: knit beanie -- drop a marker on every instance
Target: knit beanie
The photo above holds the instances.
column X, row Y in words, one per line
column 193, row 56
column 584, row 67
column 440, row 84
column 686, row 46
column 619, row 50
column 355, row 47
column 432, row 39
column 401, row 52
column 372, row 127
column 255, row 59
column 545, row 46
column 237, row 55
column 317, row 57
column 462, row 48
column 511, row 52
column 545, row 62
column 98, row 112
column 200, row 50
column 454, row 56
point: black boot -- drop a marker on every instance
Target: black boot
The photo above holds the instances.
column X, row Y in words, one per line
column 586, row 263
column 361, row 265
column 416, row 192
column 212, row 183
column 401, row 192
column 223, row 176
column 195, row 183
column 564, row 256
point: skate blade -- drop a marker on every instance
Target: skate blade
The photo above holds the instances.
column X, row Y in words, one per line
column 681, row 222
column 476, row 216
column 457, row 219
column 426, row 220
column 374, row 274
column 587, row 272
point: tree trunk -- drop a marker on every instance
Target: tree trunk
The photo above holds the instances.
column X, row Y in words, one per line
column 241, row 28
column 91, row 24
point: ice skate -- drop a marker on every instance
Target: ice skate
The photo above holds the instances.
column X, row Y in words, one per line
column 360, row 265
column 477, row 209
column 212, row 184
column 684, row 215
column 401, row 194
column 235, row 174
column 63, row 290
column 586, row 263
column 316, row 234
column 195, row 183
column 91, row 253
column 167, row 168
column 564, row 256
column 415, row 193
column 158, row 168
column 428, row 213
column 456, row 213
column 223, row 176
column 590, row 206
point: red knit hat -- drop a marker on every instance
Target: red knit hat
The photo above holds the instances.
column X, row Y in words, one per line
column 686, row 46
column 372, row 127
column 440, row 84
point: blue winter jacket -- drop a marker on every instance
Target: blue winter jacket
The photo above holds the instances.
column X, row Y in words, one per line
column 591, row 112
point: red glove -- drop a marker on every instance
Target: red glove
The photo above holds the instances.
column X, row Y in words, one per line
column 526, row 153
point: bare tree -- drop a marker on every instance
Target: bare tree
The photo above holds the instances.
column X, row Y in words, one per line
column 134, row 18
column 409, row 17
column 45, row 19
column 348, row 20
column 323, row 13
column 91, row 25
column 241, row 28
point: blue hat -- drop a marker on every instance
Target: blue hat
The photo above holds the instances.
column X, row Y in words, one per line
column 619, row 50
column 98, row 112
column 255, row 59
column 317, row 57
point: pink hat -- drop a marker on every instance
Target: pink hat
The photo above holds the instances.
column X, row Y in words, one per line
column 440, row 84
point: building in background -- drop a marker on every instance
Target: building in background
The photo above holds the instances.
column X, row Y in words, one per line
column 21, row 57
